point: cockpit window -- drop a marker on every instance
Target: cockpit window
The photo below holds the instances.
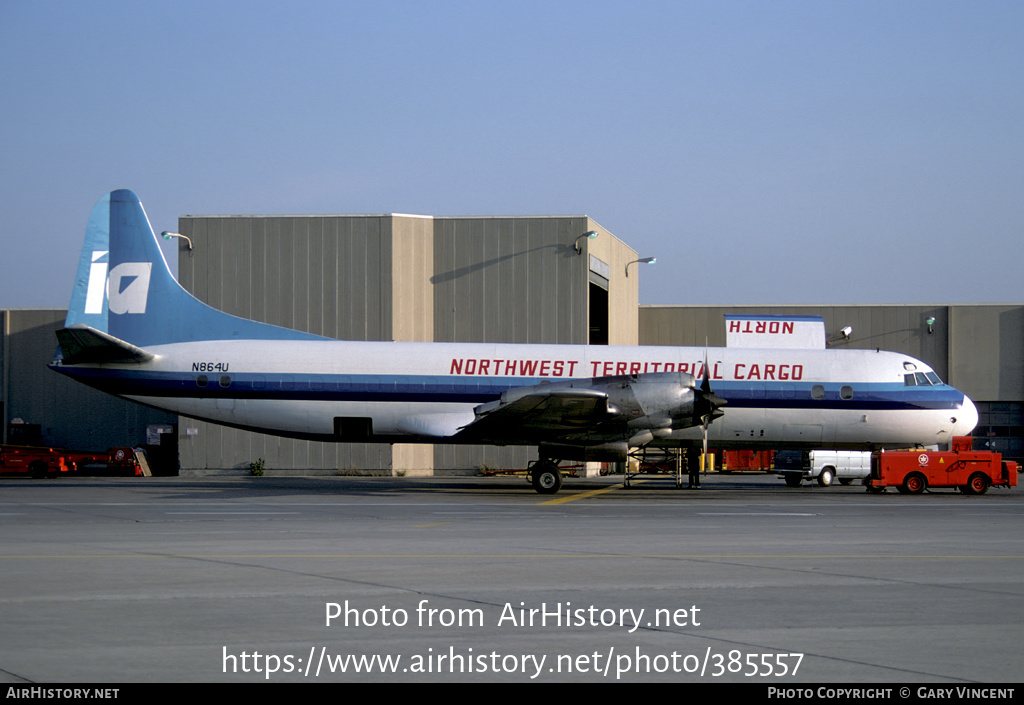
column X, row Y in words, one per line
column 921, row 379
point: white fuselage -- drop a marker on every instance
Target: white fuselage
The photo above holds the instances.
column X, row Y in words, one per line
column 428, row 391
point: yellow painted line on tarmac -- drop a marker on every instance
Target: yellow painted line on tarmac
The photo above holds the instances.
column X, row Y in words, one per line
column 584, row 495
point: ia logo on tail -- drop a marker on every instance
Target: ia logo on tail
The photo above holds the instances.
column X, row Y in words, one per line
column 126, row 288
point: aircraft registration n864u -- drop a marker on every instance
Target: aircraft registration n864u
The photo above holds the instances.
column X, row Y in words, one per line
column 133, row 331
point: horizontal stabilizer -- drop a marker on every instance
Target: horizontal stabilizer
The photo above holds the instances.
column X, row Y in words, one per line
column 84, row 344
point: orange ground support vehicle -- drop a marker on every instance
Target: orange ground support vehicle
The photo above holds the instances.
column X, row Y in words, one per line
column 912, row 472
column 747, row 460
column 46, row 462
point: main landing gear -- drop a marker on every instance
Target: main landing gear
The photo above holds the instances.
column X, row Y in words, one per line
column 545, row 476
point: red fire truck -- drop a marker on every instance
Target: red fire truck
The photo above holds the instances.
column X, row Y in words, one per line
column 912, row 472
column 47, row 462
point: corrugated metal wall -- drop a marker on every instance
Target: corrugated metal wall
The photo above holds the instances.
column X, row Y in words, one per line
column 392, row 277
column 506, row 280
column 70, row 414
column 329, row 275
column 987, row 351
column 509, row 280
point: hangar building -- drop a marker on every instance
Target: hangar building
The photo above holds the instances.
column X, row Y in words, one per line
column 467, row 279
column 407, row 278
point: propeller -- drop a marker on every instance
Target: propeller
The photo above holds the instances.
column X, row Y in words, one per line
column 707, row 405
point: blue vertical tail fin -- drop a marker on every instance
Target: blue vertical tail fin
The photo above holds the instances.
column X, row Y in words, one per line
column 125, row 289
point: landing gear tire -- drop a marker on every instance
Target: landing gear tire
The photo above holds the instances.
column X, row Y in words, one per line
column 914, row 483
column 826, row 477
column 546, row 478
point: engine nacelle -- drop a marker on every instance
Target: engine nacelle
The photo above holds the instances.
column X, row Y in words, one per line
column 656, row 400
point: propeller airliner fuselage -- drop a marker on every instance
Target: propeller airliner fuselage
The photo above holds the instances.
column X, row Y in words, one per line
column 134, row 332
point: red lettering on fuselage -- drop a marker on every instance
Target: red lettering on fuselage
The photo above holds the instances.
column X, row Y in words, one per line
column 781, row 373
column 511, row 368
column 756, row 371
column 527, row 368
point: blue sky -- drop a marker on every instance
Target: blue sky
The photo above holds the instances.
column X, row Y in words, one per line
column 765, row 152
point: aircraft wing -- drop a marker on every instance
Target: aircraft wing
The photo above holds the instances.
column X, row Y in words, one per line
column 588, row 411
column 543, row 412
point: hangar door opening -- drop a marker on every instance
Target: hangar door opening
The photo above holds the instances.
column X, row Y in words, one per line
column 598, row 314
column 597, row 301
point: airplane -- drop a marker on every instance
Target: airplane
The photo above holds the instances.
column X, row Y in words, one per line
column 133, row 331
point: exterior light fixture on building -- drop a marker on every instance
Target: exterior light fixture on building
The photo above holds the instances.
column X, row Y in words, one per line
column 590, row 235
column 167, row 235
column 842, row 336
column 642, row 260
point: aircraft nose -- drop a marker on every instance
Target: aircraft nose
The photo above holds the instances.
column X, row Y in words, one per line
column 966, row 418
